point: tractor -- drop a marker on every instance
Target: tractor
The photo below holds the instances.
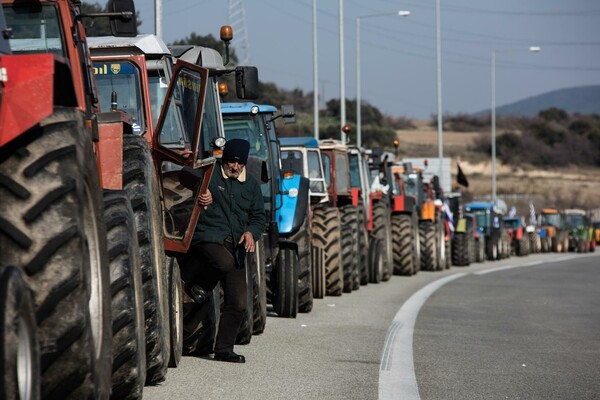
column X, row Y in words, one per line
column 287, row 241
column 579, row 230
column 490, row 224
column 342, row 264
column 301, row 155
column 552, row 233
column 517, row 232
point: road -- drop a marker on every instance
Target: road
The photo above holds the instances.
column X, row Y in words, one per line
column 522, row 328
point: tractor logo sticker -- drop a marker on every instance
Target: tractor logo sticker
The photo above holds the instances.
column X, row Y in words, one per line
column 115, row 68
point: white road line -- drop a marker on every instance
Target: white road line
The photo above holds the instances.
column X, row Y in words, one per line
column 397, row 378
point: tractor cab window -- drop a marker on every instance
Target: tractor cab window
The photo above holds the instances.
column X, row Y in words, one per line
column 511, row 223
column 354, row 170
column 159, row 75
column 122, row 79
column 327, row 168
column 315, row 173
column 574, row 220
column 177, row 131
column 551, row 219
column 342, row 184
column 252, row 128
column 482, row 219
column 35, row 28
column 291, row 161
column 211, row 120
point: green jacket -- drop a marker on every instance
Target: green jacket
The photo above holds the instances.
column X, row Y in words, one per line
column 237, row 207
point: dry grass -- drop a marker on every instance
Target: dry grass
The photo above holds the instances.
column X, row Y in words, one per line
column 517, row 185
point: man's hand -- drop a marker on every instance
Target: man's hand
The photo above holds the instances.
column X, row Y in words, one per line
column 248, row 241
column 205, row 199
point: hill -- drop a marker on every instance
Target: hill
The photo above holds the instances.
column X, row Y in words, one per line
column 582, row 100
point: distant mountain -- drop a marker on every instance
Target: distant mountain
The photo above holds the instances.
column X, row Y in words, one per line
column 582, row 100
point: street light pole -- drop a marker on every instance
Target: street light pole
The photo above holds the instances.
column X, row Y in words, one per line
column 315, row 73
column 533, row 49
column 358, row 98
column 439, row 87
column 342, row 78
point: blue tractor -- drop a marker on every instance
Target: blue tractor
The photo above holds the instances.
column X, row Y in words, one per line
column 490, row 222
column 285, row 244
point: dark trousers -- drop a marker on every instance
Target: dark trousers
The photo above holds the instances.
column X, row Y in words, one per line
column 208, row 264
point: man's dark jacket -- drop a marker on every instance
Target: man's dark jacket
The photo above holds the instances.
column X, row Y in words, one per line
column 237, row 207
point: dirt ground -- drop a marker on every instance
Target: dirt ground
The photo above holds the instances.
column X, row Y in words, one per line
column 517, row 185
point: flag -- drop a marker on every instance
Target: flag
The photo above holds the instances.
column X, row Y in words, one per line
column 461, row 179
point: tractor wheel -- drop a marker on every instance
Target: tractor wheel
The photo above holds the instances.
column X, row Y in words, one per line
column 20, row 375
column 175, row 312
column 350, row 260
column 492, row 249
column 382, row 229
column 427, row 239
column 285, row 283
column 460, row 250
column 318, row 272
column 52, row 230
column 128, row 340
column 326, row 234
column 557, row 245
column 200, row 323
column 363, row 247
column 402, row 236
column 376, row 257
column 305, row 290
column 244, row 335
column 523, row 247
column 481, row 249
column 448, row 245
column 139, row 181
column 416, row 241
column 259, row 288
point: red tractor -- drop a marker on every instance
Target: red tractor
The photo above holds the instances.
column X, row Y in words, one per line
column 67, row 257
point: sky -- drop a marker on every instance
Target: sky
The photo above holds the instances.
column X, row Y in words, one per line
column 398, row 54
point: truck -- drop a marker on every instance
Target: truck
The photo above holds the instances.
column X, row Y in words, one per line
column 287, row 238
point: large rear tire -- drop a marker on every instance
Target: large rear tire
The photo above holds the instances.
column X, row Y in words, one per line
column 363, row 246
column 200, row 324
column 244, row 335
column 376, row 261
column 326, row 234
column 303, row 244
column 285, row 295
column 20, row 375
column 175, row 312
column 460, row 249
column 428, row 242
column 129, row 342
column 382, row 229
column 259, row 288
column 139, row 181
column 402, row 236
column 52, row 229
column 350, row 255
column 319, row 281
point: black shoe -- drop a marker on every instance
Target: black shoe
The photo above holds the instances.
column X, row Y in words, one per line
column 230, row 356
column 197, row 294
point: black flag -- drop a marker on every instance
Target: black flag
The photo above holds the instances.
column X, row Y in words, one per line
column 461, row 179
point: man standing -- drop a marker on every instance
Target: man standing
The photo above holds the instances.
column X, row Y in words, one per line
column 232, row 220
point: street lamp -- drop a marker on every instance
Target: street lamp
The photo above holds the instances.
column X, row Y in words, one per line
column 400, row 13
column 533, row 49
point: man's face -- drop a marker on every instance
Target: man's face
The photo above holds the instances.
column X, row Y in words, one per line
column 233, row 169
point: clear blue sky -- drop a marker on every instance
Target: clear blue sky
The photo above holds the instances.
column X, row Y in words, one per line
column 398, row 54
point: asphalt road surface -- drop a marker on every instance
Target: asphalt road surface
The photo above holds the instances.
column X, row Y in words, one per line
column 522, row 328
